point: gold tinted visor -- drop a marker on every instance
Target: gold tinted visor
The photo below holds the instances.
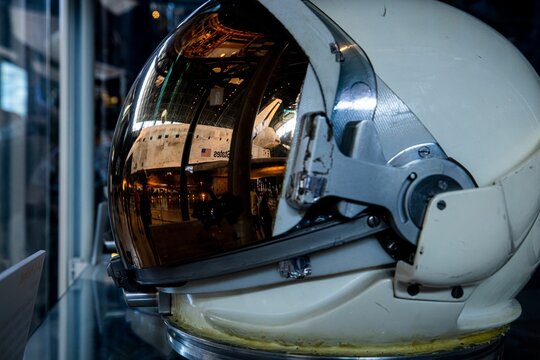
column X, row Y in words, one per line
column 200, row 150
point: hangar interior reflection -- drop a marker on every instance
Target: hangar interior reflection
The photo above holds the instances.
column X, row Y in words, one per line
column 204, row 159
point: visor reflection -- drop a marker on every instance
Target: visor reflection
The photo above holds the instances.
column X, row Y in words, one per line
column 178, row 189
column 164, row 237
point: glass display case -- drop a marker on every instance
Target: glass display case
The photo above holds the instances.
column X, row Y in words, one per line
column 91, row 320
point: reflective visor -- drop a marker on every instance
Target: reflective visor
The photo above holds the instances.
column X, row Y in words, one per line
column 199, row 152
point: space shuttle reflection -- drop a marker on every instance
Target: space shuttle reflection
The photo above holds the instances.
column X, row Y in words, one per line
column 162, row 146
column 166, row 194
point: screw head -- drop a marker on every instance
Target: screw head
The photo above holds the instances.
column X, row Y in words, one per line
column 413, row 289
column 457, row 292
column 424, row 152
column 441, row 205
column 373, row 221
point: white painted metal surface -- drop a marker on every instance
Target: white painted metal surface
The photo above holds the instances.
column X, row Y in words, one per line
column 461, row 78
column 478, row 97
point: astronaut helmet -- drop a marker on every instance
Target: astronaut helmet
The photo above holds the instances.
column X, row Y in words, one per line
column 329, row 179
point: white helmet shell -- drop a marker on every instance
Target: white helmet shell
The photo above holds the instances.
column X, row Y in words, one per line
column 472, row 106
column 460, row 77
column 478, row 96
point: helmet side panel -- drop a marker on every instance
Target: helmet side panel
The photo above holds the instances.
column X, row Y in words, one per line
column 470, row 87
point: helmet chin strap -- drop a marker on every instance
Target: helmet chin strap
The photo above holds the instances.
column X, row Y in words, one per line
column 404, row 191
